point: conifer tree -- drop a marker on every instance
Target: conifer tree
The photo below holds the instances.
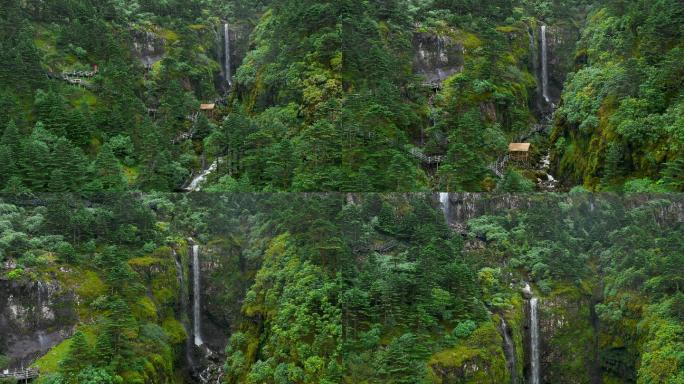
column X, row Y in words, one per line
column 9, row 167
column 58, row 182
column 15, row 186
column 78, row 358
column 106, row 171
column 11, row 136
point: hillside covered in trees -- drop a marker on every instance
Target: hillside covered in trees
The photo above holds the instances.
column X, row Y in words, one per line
column 334, row 288
column 340, row 95
column 362, row 178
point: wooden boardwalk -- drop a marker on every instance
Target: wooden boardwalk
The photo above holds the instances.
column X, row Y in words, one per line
column 499, row 166
column 425, row 159
column 20, row 375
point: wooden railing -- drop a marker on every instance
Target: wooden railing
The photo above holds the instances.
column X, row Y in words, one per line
column 499, row 166
column 20, row 374
column 425, row 159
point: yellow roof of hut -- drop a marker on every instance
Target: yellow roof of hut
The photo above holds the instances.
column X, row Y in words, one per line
column 207, row 107
column 519, row 147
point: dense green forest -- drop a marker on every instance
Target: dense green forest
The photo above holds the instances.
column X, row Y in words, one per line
column 621, row 122
column 289, row 117
column 330, row 288
column 391, row 95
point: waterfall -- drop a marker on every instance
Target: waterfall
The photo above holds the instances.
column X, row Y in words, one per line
column 509, row 351
column 534, row 341
column 534, row 59
column 226, row 52
column 196, row 318
column 196, row 183
column 545, row 65
column 444, row 203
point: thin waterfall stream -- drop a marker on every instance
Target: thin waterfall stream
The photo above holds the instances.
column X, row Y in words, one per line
column 535, row 367
column 196, row 304
column 547, row 182
column 545, row 65
column 196, row 182
column 534, row 340
column 509, row 351
column 227, row 52
column 444, row 203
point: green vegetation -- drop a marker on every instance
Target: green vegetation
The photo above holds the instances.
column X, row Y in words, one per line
column 330, row 96
column 317, row 289
column 126, row 299
column 620, row 124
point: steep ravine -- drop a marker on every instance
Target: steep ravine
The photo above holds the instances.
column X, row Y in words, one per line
column 560, row 338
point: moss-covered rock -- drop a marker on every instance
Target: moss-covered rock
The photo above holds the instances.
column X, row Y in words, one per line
column 478, row 359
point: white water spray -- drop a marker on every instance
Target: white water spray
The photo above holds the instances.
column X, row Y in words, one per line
column 444, row 202
column 226, row 52
column 196, row 183
column 545, row 65
column 196, row 318
column 534, row 341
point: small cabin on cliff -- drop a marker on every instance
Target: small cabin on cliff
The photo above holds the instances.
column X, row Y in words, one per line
column 519, row 151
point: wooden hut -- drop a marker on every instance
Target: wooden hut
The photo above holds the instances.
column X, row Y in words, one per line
column 208, row 108
column 519, row 151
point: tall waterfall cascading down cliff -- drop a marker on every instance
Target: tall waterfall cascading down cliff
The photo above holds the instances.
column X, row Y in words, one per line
column 534, row 335
column 226, row 51
column 534, row 341
column 533, row 376
column 444, row 203
column 545, row 66
column 548, row 182
column 196, row 315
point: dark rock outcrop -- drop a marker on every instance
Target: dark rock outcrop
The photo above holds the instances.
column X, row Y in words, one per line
column 436, row 57
column 34, row 317
column 148, row 47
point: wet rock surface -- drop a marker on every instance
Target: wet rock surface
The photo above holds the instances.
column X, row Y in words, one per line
column 436, row 57
column 34, row 317
column 148, row 47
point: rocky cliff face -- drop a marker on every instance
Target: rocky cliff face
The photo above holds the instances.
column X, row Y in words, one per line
column 436, row 57
column 568, row 349
column 34, row 317
column 561, row 39
column 465, row 206
column 220, row 309
column 148, row 47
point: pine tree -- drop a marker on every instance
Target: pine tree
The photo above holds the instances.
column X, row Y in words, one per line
column 613, row 163
column 15, row 186
column 35, row 164
column 106, row 171
column 58, row 182
column 122, row 326
column 11, row 136
column 104, row 350
column 400, row 175
column 51, row 110
column 78, row 129
column 70, row 161
column 9, row 167
column 78, row 358
column 673, row 175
